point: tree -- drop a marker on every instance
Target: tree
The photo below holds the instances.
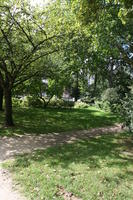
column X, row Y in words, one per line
column 23, row 41
column 1, row 98
column 118, row 13
column 50, row 81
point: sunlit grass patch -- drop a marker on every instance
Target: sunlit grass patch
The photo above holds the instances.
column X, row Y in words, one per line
column 98, row 168
column 42, row 121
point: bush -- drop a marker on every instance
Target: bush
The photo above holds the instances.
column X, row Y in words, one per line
column 127, row 111
column 110, row 100
column 110, row 95
column 31, row 101
column 88, row 100
column 34, row 102
column 60, row 103
column 55, row 102
column 104, row 105
column 17, row 102
column 80, row 104
column 68, row 104
column 24, row 102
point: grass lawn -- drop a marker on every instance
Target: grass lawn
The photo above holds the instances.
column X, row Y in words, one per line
column 100, row 168
column 39, row 121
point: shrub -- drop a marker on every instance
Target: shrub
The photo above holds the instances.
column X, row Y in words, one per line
column 110, row 95
column 34, row 102
column 24, row 102
column 110, row 100
column 88, row 100
column 55, row 102
column 17, row 102
column 104, row 105
column 31, row 101
column 60, row 103
column 68, row 104
column 80, row 104
column 127, row 111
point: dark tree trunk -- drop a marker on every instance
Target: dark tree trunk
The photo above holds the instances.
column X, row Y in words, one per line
column 77, row 92
column 1, row 98
column 110, row 79
column 95, row 85
column 47, row 103
column 8, row 107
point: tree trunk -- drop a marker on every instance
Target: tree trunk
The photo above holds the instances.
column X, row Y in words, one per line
column 77, row 92
column 8, row 107
column 1, row 98
column 47, row 103
column 95, row 85
column 110, row 79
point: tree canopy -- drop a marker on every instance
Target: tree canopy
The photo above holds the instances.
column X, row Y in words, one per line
column 67, row 43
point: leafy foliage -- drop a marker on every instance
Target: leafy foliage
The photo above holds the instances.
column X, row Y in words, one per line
column 127, row 111
column 80, row 105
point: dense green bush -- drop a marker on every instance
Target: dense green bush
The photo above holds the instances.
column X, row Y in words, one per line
column 68, row 104
column 24, row 101
column 110, row 95
column 88, row 99
column 110, row 100
column 27, row 101
column 127, row 111
column 104, row 105
column 55, row 102
column 60, row 103
column 80, row 104
column 17, row 102
column 34, row 102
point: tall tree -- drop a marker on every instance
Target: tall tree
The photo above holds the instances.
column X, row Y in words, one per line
column 23, row 41
column 1, row 98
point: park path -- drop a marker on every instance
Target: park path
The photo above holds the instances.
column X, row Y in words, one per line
column 11, row 146
column 7, row 188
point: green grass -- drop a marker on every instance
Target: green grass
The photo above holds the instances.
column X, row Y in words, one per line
column 39, row 121
column 100, row 168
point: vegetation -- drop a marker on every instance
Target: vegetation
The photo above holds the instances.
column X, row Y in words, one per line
column 58, row 62
column 127, row 111
column 38, row 121
column 98, row 168
column 93, row 44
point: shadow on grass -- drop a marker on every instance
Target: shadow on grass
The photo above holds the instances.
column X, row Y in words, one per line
column 39, row 121
column 106, row 150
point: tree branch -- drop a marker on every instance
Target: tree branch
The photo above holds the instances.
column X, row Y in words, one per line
column 22, row 29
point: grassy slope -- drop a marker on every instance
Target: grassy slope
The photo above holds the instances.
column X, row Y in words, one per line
column 39, row 121
column 100, row 168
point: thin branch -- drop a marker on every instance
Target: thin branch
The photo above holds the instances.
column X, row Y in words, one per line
column 24, row 79
column 32, row 75
column 42, row 55
column 22, row 29
column 35, row 49
column 6, row 38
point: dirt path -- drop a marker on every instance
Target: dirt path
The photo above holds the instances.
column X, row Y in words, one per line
column 7, row 189
column 11, row 146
